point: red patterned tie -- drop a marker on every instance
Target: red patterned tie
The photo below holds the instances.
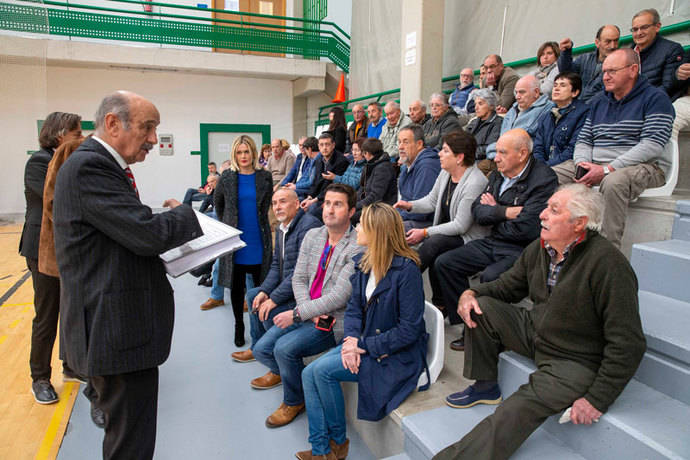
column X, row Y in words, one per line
column 130, row 176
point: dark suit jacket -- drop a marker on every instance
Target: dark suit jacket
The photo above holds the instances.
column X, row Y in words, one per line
column 116, row 303
column 34, row 180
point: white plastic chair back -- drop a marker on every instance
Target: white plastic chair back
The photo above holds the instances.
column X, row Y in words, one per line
column 435, row 348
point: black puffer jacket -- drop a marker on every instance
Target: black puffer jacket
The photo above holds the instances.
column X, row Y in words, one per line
column 377, row 182
column 531, row 191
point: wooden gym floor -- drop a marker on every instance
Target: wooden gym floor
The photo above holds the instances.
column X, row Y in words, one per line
column 27, row 430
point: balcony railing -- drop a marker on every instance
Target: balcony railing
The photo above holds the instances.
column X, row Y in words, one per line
column 245, row 31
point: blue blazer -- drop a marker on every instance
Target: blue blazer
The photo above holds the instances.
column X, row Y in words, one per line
column 390, row 327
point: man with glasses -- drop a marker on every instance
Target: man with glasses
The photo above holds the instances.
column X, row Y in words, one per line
column 588, row 65
column 502, row 80
column 321, row 286
column 442, row 121
column 621, row 145
column 458, row 98
column 659, row 57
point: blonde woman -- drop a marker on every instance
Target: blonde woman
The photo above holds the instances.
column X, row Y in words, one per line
column 242, row 198
column 384, row 348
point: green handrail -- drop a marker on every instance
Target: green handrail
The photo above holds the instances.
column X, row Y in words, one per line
column 152, row 28
column 239, row 13
column 672, row 28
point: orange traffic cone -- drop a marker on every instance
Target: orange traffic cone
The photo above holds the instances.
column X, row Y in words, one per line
column 340, row 93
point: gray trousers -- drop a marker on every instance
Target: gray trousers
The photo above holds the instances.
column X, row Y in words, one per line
column 552, row 388
column 619, row 189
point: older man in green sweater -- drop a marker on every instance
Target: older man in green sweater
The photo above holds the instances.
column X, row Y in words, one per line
column 584, row 331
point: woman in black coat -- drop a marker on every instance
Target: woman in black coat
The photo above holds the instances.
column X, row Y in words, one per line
column 378, row 179
column 242, row 199
column 337, row 127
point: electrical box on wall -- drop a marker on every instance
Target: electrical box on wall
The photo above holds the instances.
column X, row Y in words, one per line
column 165, row 144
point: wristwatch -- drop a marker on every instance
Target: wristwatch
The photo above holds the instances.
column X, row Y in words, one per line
column 606, row 170
column 296, row 318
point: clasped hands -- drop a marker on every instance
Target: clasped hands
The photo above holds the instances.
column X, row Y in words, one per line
column 351, row 354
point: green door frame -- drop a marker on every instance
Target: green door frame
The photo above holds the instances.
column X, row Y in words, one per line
column 206, row 128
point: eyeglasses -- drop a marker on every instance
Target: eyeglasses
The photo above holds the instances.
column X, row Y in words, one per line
column 613, row 72
column 643, row 28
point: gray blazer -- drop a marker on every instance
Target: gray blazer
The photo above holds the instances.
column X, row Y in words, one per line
column 471, row 185
column 336, row 284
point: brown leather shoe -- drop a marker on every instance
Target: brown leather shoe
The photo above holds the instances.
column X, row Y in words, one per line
column 307, row 455
column 245, row 356
column 284, row 415
column 269, row 380
column 211, row 303
column 340, row 450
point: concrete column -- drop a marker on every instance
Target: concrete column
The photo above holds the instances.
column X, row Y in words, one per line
column 422, row 50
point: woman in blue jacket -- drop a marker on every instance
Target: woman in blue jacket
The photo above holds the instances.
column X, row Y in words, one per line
column 384, row 348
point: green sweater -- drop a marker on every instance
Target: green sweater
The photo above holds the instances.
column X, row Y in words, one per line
column 591, row 316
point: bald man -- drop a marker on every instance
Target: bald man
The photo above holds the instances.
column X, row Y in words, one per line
column 117, row 306
column 588, row 65
column 529, row 107
column 515, row 195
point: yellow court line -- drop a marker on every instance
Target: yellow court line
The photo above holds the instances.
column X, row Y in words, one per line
column 2, row 338
column 17, row 304
column 14, row 323
column 26, row 309
column 52, row 431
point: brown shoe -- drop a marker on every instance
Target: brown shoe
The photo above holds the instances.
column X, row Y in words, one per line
column 340, row 450
column 284, row 415
column 245, row 307
column 307, row 455
column 245, row 356
column 211, row 303
column 269, row 380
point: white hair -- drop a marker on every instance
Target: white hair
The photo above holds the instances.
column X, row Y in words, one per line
column 585, row 202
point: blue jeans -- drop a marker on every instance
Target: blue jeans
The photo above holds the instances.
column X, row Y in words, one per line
column 218, row 291
column 193, row 194
column 258, row 328
column 282, row 350
column 324, row 399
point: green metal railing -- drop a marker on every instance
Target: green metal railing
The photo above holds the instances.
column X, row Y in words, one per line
column 377, row 97
column 246, row 33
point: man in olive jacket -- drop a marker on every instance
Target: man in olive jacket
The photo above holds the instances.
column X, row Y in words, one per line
column 584, row 331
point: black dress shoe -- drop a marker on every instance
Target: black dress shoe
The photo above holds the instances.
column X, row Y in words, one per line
column 43, row 391
column 97, row 416
column 239, row 335
column 203, row 279
column 458, row 345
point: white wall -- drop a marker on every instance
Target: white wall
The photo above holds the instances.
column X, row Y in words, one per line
column 30, row 91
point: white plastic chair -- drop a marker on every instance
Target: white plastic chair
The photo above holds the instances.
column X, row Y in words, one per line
column 672, row 180
column 435, row 349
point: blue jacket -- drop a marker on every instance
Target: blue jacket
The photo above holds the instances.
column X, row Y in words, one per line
column 278, row 282
column 554, row 141
column 588, row 66
column 374, row 130
column 303, row 185
column 352, row 175
column 458, row 98
column 529, row 119
column 391, row 329
column 417, row 180
column 659, row 61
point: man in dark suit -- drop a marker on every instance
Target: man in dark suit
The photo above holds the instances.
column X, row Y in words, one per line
column 58, row 127
column 117, row 304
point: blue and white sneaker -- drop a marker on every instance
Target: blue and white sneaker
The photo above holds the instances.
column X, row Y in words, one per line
column 470, row 397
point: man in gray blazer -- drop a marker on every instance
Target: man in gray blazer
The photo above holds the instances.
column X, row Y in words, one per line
column 116, row 302
column 321, row 285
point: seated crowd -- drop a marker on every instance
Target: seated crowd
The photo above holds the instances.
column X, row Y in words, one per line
column 470, row 189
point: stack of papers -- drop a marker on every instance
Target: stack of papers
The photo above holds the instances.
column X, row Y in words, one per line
column 218, row 239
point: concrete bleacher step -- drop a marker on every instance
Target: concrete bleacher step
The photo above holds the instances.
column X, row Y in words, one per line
column 662, row 267
column 681, row 224
column 401, row 456
column 666, row 364
column 643, row 423
column 427, row 433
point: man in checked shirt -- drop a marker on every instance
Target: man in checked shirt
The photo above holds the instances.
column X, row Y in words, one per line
column 584, row 331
